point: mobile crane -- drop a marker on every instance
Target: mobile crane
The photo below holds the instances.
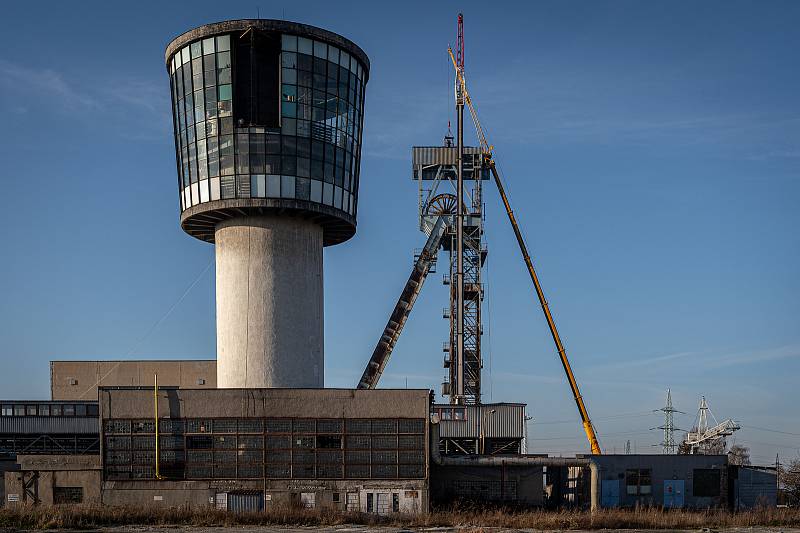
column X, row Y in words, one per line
column 487, row 149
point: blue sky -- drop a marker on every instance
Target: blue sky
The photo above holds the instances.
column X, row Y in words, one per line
column 651, row 151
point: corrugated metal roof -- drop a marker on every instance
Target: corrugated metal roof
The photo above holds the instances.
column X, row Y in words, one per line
column 438, row 155
column 49, row 425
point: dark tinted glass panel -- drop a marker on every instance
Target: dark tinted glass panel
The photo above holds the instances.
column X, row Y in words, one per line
column 256, row 79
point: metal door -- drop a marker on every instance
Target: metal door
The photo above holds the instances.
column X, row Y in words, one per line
column 673, row 493
column 609, row 493
column 245, row 501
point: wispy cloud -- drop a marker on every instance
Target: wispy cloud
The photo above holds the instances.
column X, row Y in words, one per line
column 645, row 361
column 789, row 351
column 776, row 154
column 140, row 94
column 706, row 360
column 45, row 81
column 136, row 108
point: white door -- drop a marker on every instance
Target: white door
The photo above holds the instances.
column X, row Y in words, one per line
column 221, row 501
column 352, row 502
column 383, row 503
column 308, row 499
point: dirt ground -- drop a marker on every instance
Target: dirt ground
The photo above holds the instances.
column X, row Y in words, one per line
column 369, row 529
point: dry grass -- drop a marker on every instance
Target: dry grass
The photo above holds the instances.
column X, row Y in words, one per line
column 75, row 517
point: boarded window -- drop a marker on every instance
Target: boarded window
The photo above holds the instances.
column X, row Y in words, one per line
column 67, row 495
column 706, row 483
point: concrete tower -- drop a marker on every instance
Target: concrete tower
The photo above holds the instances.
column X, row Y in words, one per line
column 268, row 117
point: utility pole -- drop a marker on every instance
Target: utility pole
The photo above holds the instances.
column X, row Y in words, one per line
column 458, row 397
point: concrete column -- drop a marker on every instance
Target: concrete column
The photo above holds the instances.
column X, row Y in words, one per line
column 269, row 303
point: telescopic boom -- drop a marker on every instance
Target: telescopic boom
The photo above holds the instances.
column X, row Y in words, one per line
column 562, row 352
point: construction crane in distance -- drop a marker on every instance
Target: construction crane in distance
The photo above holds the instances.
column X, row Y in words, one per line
column 486, row 148
column 705, row 439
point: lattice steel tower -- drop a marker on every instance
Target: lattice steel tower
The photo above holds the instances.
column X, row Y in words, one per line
column 669, row 445
column 435, row 169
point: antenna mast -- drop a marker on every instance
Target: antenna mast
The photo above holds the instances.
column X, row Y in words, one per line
column 457, row 395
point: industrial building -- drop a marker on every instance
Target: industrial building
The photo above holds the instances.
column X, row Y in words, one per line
column 268, row 118
column 319, row 447
column 378, row 451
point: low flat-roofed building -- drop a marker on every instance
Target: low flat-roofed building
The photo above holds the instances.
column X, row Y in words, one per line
column 53, row 479
column 363, row 450
column 673, row 481
column 79, row 380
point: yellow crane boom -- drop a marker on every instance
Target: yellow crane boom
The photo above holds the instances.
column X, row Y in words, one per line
column 562, row 352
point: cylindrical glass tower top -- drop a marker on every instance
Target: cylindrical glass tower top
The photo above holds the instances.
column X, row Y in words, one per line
column 268, row 117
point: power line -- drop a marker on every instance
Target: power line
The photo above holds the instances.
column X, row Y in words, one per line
column 153, row 327
column 773, row 430
column 574, row 437
column 610, row 417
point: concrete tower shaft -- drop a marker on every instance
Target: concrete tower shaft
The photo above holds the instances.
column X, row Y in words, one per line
column 269, row 303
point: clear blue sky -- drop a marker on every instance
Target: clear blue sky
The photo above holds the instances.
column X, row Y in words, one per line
column 651, row 150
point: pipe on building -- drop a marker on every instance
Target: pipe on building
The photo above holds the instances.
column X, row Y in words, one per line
column 519, row 460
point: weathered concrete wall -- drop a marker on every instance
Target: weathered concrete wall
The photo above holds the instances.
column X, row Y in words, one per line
column 58, row 462
column 78, row 380
column 54, row 471
column 412, row 494
column 269, row 303
column 5, row 466
column 522, row 485
column 157, row 493
column 305, row 403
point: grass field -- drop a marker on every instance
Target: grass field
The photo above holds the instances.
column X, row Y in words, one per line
column 74, row 517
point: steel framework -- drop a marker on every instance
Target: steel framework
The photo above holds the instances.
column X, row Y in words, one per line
column 707, row 440
column 436, row 173
column 668, row 445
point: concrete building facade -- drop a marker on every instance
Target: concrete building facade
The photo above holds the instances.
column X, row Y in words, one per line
column 252, row 448
column 79, row 380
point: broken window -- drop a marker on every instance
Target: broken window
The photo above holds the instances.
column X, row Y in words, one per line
column 329, row 441
column 638, row 481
